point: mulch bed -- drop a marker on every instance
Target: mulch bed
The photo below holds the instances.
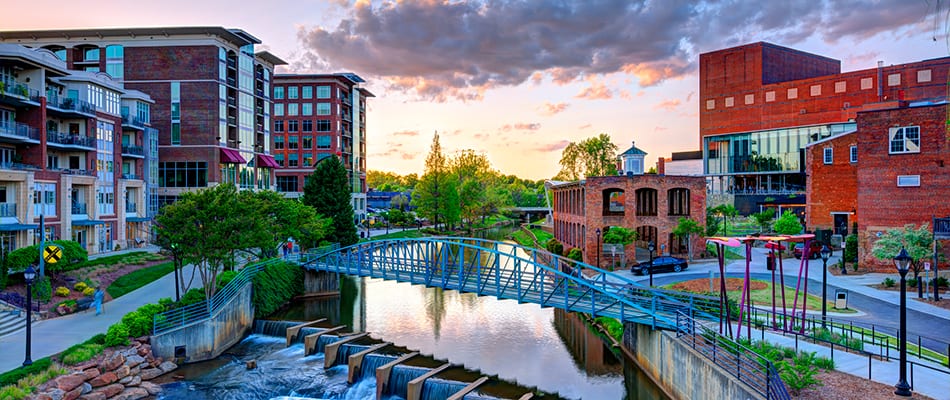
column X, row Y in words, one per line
column 841, row 386
column 701, row 285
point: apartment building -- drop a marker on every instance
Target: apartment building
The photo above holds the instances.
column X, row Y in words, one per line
column 211, row 94
column 77, row 150
column 762, row 104
column 315, row 117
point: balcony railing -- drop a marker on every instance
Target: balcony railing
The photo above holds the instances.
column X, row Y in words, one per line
column 133, row 150
column 79, row 208
column 347, row 117
column 83, row 172
column 130, row 176
column 131, row 207
column 346, row 100
column 232, row 81
column 68, row 104
column 18, row 166
column 20, row 130
column 14, row 88
column 232, row 101
column 7, row 209
column 135, row 122
column 70, row 140
column 232, row 120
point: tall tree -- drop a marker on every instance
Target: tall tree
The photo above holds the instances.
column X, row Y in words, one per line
column 596, row 156
column 473, row 174
column 429, row 197
column 917, row 242
column 788, row 224
column 328, row 191
column 687, row 227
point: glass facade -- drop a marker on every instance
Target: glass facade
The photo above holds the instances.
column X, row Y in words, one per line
column 776, row 150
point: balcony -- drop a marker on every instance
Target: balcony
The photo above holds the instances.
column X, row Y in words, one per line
column 232, row 63
column 232, row 120
column 129, row 121
column 7, row 209
column 133, row 151
column 347, row 132
column 18, row 166
column 64, row 140
column 232, row 81
column 131, row 177
column 346, row 100
column 18, row 132
column 70, row 107
column 79, row 209
column 16, row 93
column 347, row 117
column 232, row 101
column 131, row 207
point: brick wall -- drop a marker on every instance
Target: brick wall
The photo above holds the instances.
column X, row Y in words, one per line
column 830, row 187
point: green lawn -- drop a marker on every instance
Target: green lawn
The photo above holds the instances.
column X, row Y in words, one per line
column 139, row 278
column 524, row 239
column 763, row 297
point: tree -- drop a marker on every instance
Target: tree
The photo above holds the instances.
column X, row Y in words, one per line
column 917, row 242
column 686, row 227
column 472, row 171
column 724, row 211
column 327, row 190
column 429, row 198
column 788, row 224
column 764, row 219
column 596, row 156
column 619, row 235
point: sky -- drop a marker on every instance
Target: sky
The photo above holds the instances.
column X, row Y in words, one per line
column 519, row 80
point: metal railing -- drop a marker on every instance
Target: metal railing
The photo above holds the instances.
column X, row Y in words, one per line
column 133, row 150
column 14, row 88
column 747, row 366
column 18, row 166
column 131, row 207
column 70, row 140
column 78, row 208
column 129, row 120
column 7, row 209
column 130, row 176
column 19, row 129
column 68, row 104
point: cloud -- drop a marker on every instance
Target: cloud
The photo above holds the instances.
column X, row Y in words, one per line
column 552, row 147
column 596, row 91
column 521, row 126
column 406, row 133
column 585, row 126
column 668, row 105
column 551, row 109
column 440, row 50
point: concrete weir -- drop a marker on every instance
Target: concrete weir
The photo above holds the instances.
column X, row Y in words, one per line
column 414, row 388
column 294, row 330
column 471, row 386
column 310, row 341
column 329, row 352
column 383, row 373
column 354, row 362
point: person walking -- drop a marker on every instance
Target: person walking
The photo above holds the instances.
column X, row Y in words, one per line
column 97, row 300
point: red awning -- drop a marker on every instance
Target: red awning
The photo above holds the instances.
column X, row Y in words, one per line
column 231, row 156
column 266, row 161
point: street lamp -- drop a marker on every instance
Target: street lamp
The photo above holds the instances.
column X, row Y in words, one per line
column 825, row 253
column 652, row 248
column 28, row 277
column 597, row 232
column 902, row 261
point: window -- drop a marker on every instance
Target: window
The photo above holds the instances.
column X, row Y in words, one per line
column 893, row 79
column 308, row 125
column 793, row 93
column 279, row 158
column 769, row 96
column 307, row 160
column 292, row 109
column 176, row 133
column 923, row 76
column 52, row 161
column 176, row 113
column 278, row 142
column 292, row 144
column 183, row 174
column 908, row 180
column 307, row 92
column 323, row 92
column 323, row 125
column 323, row 108
column 815, row 90
column 44, row 199
column 323, row 142
column 646, row 202
column 904, row 139
column 867, row 83
column 287, row 183
column 307, row 109
column 292, row 125
column 278, row 110
column 613, row 200
column 828, row 155
column 307, row 142
column 710, row 104
column 677, row 201
column 91, row 54
column 291, row 92
column 854, row 154
column 105, row 200
column 278, row 126
column 278, row 93
column 749, row 99
column 841, row 87
column 292, row 160
column 730, row 101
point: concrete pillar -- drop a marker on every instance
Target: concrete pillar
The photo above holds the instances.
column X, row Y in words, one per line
column 315, row 282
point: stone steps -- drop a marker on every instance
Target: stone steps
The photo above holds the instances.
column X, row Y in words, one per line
column 11, row 321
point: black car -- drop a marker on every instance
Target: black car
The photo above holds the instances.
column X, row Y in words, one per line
column 662, row 264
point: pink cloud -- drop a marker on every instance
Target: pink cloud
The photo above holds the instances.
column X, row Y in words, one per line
column 551, row 109
column 668, row 105
column 552, row 147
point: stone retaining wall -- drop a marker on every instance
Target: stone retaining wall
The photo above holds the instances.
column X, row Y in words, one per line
column 121, row 374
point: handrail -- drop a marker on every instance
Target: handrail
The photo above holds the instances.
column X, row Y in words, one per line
column 747, row 366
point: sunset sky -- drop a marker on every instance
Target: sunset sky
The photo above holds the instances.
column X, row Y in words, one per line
column 518, row 81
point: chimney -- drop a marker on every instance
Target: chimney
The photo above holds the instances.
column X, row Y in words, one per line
column 661, row 166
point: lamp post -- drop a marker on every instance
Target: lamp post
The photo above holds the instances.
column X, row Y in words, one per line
column 651, row 247
column 825, row 253
column 28, row 277
column 597, row 232
column 902, row 261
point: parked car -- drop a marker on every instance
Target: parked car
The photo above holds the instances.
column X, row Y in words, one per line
column 662, row 264
column 814, row 249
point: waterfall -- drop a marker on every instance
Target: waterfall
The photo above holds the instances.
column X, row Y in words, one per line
column 361, row 390
column 438, row 389
column 271, row 328
column 345, row 351
column 324, row 340
column 371, row 362
column 400, row 376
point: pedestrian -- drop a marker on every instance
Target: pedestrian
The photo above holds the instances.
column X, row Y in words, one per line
column 97, row 300
column 288, row 248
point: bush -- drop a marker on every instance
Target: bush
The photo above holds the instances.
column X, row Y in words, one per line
column 226, row 277
column 73, row 254
column 575, row 254
column 801, row 374
column 826, row 364
column 942, row 282
column 274, row 286
column 43, row 289
column 88, row 291
column 118, row 335
column 139, row 322
column 554, row 246
column 62, row 291
column 81, row 352
column 80, row 286
column 888, row 282
column 11, row 377
column 850, row 248
column 912, row 282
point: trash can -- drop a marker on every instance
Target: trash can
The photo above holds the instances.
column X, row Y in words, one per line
column 841, row 299
column 769, row 262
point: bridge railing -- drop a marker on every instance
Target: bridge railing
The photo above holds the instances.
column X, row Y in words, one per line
column 748, row 367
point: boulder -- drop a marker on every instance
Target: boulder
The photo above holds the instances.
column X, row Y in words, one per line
column 134, row 393
column 55, row 394
column 93, row 396
column 73, row 394
column 150, row 373
column 151, row 388
column 103, row 379
column 86, row 387
column 122, row 371
column 91, row 373
column 167, row 366
column 135, row 381
column 44, row 396
column 86, row 364
column 112, row 362
column 111, row 390
column 69, row 382
column 134, row 360
column 145, row 350
column 136, row 370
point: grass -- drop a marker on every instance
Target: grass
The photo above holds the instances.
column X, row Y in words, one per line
column 21, row 382
column 729, row 254
column 406, row 234
column 763, row 297
column 524, row 239
column 137, row 257
column 139, row 278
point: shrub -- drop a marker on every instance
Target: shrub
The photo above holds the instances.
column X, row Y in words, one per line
column 81, row 352
column 88, row 291
column 118, row 335
column 73, row 254
column 850, row 248
column 274, row 286
column 554, row 246
column 42, row 289
column 943, row 282
column 139, row 322
column 801, row 374
column 888, row 282
column 11, row 377
column 575, row 254
column 80, row 286
column 825, row 363
column 226, row 277
column 62, row 291
column 912, row 282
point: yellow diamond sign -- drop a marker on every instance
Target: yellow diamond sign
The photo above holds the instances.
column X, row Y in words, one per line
column 52, row 254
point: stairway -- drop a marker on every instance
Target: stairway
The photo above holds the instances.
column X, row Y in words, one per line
column 11, row 321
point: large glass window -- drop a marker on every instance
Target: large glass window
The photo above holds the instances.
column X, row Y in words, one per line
column 292, row 160
column 323, row 125
column 278, row 110
column 278, row 126
column 308, row 125
column 183, row 174
column 286, row 183
column 176, row 133
column 291, row 92
column 292, row 125
column 292, row 144
column 323, row 142
column 323, row 108
column 278, row 92
column 292, row 109
column 904, row 139
column 306, row 109
column 306, row 92
column 91, row 54
column 323, row 92
column 307, row 142
column 278, row 142
column 44, row 199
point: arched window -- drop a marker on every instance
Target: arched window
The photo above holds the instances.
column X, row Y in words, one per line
column 613, row 200
column 646, row 202
column 677, row 201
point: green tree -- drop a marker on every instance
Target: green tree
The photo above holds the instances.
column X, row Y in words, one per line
column 596, row 156
column 723, row 212
column 764, row 219
column 788, row 224
column 473, row 172
column 917, row 241
column 687, row 227
column 619, row 235
column 328, row 191
column 430, row 193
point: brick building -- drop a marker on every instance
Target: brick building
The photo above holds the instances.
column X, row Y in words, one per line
column 211, row 93
column 315, row 117
column 649, row 204
column 761, row 104
column 890, row 172
column 77, row 148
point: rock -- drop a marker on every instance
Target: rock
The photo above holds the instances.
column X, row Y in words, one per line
column 56, row 394
column 122, row 371
column 73, row 394
column 145, row 350
column 136, row 370
column 135, row 381
column 251, row 364
column 86, row 364
column 103, row 379
column 167, row 366
column 125, row 380
column 134, row 360
column 111, row 390
column 93, row 396
column 91, row 373
column 131, row 394
column 86, row 387
column 43, row 396
column 150, row 373
column 151, row 388
column 113, row 362
column 70, row 382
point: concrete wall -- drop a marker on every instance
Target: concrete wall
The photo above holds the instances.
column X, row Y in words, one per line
column 679, row 369
column 315, row 282
column 205, row 340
